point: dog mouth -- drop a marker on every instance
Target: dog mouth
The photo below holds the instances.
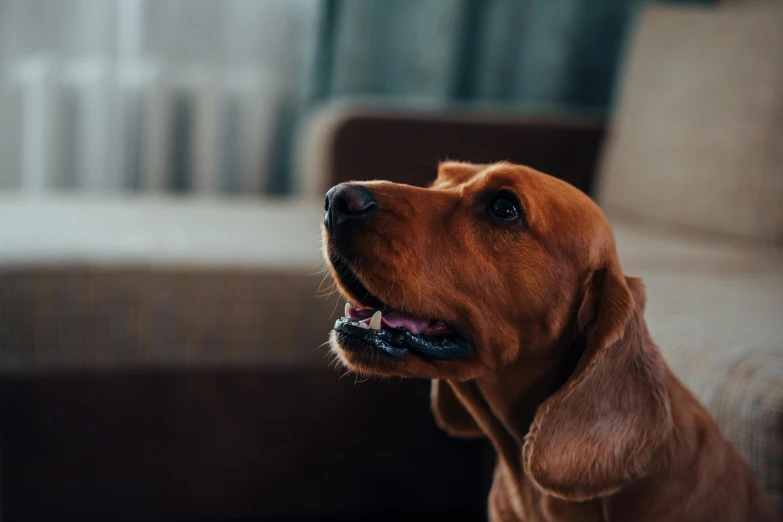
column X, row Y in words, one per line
column 373, row 326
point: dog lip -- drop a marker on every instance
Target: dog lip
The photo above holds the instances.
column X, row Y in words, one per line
column 353, row 333
column 398, row 342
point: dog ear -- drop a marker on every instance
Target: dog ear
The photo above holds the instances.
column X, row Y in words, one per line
column 450, row 415
column 602, row 428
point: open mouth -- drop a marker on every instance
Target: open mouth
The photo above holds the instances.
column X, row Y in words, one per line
column 373, row 325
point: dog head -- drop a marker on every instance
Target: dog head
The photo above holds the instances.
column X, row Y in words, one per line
column 486, row 265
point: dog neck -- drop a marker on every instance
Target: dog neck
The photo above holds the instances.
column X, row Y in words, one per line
column 504, row 402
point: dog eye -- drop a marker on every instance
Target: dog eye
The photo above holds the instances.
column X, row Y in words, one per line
column 504, row 208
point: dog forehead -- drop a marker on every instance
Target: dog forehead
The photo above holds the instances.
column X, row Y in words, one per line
column 562, row 216
column 457, row 172
column 469, row 178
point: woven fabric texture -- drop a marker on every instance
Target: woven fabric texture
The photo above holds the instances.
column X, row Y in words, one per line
column 714, row 309
column 92, row 318
column 697, row 137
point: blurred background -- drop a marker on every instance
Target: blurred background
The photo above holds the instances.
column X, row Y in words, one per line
column 162, row 169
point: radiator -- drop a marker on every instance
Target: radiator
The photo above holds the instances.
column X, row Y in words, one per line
column 96, row 126
column 154, row 103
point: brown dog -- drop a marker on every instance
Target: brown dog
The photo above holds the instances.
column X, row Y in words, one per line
column 502, row 285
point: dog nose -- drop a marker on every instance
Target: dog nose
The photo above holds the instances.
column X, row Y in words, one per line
column 347, row 202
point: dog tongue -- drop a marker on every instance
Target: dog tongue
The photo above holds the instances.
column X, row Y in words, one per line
column 395, row 319
column 414, row 325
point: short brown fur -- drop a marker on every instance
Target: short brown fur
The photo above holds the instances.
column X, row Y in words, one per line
column 588, row 421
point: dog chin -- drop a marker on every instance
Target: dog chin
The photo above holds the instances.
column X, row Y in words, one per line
column 359, row 358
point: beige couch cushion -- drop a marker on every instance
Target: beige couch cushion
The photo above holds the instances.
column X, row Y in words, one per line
column 697, row 137
column 714, row 309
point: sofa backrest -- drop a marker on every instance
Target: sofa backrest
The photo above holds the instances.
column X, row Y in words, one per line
column 354, row 141
column 696, row 139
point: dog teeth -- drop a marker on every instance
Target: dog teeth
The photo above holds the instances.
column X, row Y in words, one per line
column 347, row 309
column 364, row 325
column 375, row 322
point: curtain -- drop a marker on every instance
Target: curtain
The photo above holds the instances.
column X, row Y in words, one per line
column 552, row 52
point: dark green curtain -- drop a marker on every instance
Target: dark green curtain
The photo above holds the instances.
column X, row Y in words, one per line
column 555, row 52
column 532, row 53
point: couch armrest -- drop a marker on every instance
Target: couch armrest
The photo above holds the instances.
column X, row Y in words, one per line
column 356, row 143
column 713, row 308
column 159, row 282
column 742, row 386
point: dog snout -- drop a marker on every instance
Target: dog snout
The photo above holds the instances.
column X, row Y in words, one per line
column 346, row 203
